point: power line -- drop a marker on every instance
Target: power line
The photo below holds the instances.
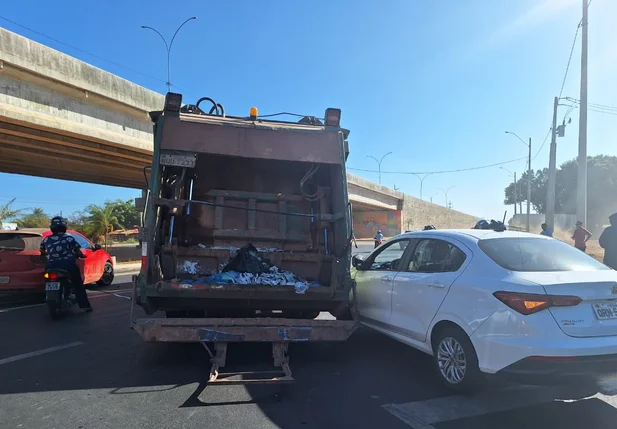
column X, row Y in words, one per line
column 459, row 170
column 92, row 55
column 80, row 50
column 542, row 145
column 563, row 83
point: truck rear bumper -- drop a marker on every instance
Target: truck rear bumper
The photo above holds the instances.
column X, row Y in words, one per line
column 252, row 329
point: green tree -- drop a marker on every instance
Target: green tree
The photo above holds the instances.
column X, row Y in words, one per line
column 78, row 221
column 37, row 219
column 125, row 212
column 7, row 212
column 101, row 221
column 601, row 189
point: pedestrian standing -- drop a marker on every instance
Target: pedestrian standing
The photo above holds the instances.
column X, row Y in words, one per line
column 608, row 241
column 546, row 231
column 580, row 236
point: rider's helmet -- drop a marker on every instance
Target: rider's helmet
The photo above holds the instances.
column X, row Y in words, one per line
column 429, row 227
column 57, row 225
column 379, row 231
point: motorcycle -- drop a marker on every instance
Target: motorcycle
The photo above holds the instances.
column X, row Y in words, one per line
column 59, row 294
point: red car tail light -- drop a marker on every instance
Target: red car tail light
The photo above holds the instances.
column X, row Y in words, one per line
column 51, row 276
column 529, row 303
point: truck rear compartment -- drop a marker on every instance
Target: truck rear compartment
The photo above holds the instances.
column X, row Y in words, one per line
column 237, row 201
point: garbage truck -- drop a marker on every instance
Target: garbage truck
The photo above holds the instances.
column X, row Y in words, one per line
column 247, row 233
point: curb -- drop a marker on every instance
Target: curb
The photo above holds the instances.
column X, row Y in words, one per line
column 125, row 268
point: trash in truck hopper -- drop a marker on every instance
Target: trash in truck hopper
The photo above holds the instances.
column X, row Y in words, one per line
column 248, row 267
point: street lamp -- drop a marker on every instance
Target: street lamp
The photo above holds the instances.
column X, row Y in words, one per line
column 515, row 193
column 528, row 177
column 445, row 191
column 421, row 181
column 379, row 163
column 168, row 46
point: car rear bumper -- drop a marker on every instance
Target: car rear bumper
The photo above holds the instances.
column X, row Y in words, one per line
column 556, row 370
column 510, row 343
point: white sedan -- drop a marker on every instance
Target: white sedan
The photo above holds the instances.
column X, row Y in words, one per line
column 483, row 302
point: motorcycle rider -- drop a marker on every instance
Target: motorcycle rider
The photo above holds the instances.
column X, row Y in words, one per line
column 62, row 251
column 378, row 238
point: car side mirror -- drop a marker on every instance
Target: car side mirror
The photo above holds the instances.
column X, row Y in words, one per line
column 357, row 261
column 97, row 247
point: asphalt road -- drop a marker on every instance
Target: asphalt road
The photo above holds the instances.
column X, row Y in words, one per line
column 92, row 371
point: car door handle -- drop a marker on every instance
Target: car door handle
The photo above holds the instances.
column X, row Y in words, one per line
column 437, row 285
column 386, row 278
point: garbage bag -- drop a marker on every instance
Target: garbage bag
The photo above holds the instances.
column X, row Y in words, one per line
column 248, row 260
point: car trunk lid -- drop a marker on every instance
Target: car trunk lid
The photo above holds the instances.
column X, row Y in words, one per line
column 596, row 315
column 19, row 252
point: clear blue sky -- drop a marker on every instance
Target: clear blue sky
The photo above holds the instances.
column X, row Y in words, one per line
column 437, row 83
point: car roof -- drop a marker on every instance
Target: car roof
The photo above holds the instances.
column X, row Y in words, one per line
column 471, row 234
column 40, row 231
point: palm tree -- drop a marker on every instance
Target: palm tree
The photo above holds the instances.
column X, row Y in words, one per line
column 101, row 221
column 7, row 213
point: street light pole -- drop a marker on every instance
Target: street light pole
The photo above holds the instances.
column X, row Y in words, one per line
column 421, row 181
column 168, row 47
column 528, row 178
column 379, row 163
column 515, row 193
column 445, row 191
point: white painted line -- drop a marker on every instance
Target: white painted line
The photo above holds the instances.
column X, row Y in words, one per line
column 6, row 310
column 39, row 352
column 424, row 414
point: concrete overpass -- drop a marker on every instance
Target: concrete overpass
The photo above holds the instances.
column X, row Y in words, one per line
column 65, row 119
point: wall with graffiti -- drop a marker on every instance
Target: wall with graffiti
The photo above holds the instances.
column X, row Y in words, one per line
column 366, row 224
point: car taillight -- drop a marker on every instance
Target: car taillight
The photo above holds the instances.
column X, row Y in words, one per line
column 51, row 276
column 529, row 303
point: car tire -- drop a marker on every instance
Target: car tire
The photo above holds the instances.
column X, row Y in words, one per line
column 456, row 361
column 108, row 275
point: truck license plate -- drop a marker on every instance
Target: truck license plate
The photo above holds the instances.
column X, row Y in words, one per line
column 4, row 280
column 52, row 286
column 187, row 161
column 605, row 311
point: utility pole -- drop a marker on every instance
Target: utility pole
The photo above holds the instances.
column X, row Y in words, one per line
column 581, row 194
column 549, row 218
column 529, row 187
column 515, row 193
column 529, row 174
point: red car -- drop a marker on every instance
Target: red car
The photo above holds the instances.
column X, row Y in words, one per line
column 22, row 269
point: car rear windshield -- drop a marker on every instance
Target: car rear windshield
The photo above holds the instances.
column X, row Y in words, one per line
column 537, row 254
column 19, row 241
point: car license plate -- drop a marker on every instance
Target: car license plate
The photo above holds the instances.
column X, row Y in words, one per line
column 178, row 160
column 52, row 286
column 4, row 280
column 605, row 311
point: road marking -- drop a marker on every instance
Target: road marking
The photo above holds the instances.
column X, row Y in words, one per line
column 39, row 352
column 6, row 310
column 424, row 414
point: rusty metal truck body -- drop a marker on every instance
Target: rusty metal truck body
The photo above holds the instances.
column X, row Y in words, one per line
column 218, row 184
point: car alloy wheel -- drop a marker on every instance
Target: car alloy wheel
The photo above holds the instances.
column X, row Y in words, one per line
column 451, row 360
